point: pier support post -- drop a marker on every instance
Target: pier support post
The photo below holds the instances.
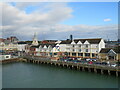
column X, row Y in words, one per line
column 109, row 72
column 116, row 73
column 55, row 64
column 89, row 69
column 102, row 71
column 83, row 69
column 95, row 70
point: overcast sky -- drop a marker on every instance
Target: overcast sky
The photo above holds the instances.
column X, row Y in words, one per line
column 59, row 20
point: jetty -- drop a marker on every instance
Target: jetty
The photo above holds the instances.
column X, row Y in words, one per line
column 101, row 69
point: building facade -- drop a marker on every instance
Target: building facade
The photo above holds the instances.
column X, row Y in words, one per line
column 110, row 54
column 82, row 48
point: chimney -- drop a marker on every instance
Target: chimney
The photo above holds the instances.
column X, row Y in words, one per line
column 71, row 37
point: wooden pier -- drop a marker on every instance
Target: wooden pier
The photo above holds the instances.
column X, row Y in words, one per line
column 101, row 69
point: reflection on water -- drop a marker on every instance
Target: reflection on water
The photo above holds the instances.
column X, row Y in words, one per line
column 28, row 75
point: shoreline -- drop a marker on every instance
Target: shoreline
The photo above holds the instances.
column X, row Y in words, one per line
column 78, row 66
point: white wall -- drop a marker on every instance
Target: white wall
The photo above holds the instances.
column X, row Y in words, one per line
column 21, row 47
column 101, row 44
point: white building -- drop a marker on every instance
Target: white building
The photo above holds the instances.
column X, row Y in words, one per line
column 83, row 48
column 35, row 41
column 8, row 46
column 4, row 57
column 21, row 46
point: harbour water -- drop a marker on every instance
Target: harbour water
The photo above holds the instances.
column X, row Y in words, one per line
column 29, row 75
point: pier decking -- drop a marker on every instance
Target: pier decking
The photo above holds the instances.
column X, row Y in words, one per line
column 102, row 69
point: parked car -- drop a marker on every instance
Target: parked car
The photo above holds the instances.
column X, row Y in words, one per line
column 114, row 65
column 104, row 63
column 93, row 59
column 88, row 59
column 90, row 62
column 76, row 61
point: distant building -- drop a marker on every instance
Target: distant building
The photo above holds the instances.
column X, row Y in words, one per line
column 43, row 50
column 21, row 46
column 49, row 41
column 12, row 39
column 35, row 41
column 111, row 44
column 9, row 45
column 110, row 54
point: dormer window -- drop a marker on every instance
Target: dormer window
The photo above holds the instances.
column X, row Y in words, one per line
column 73, row 45
column 79, row 45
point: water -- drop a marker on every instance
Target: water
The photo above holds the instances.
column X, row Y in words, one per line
column 28, row 75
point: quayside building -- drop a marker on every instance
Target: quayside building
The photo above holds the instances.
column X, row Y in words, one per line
column 82, row 48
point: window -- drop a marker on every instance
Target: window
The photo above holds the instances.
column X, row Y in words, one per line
column 73, row 54
column 55, row 53
column 87, row 54
column 86, row 50
column 79, row 50
column 79, row 45
column 73, row 45
column 80, row 54
column 86, row 46
column 93, row 55
column 73, row 50
column 7, row 56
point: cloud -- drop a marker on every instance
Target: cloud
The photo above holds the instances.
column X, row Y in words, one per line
column 107, row 20
column 45, row 20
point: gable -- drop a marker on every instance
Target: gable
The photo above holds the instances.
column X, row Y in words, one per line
column 111, row 53
column 45, row 46
column 73, row 42
column 86, row 42
column 79, row 42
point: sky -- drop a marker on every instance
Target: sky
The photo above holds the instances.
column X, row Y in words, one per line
column 58, row 20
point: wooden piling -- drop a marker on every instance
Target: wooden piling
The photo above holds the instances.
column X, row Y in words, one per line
column 109, row 72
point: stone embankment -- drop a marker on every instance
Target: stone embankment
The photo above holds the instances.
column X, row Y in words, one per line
column 12, row 60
